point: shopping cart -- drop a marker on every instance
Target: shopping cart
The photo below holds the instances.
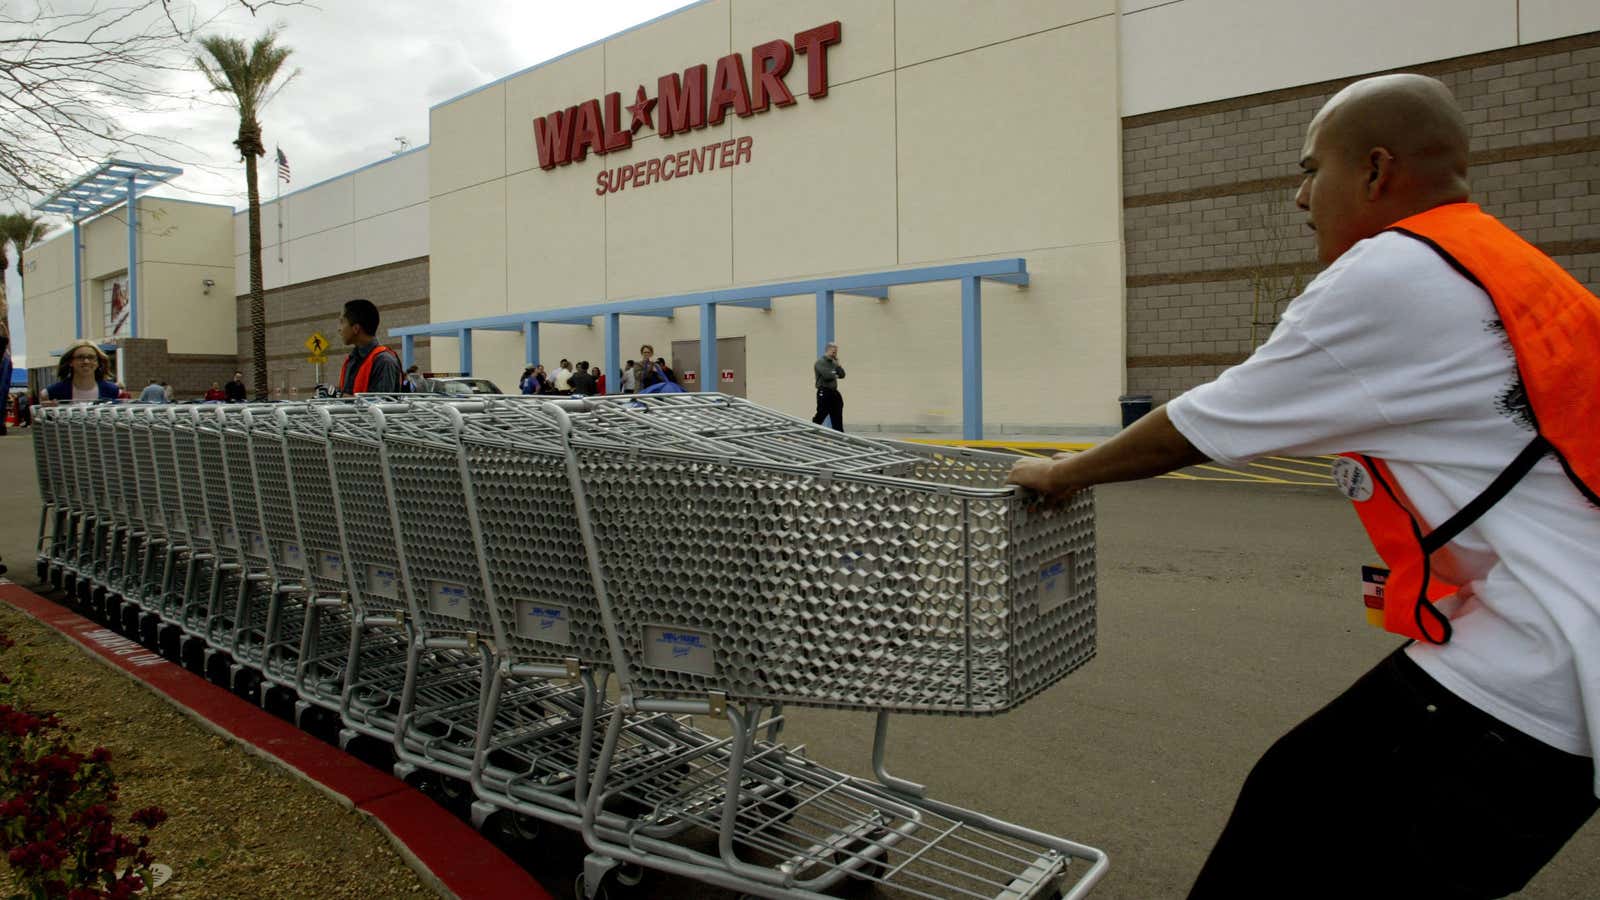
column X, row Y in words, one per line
column 866, row 576
column 273, row 623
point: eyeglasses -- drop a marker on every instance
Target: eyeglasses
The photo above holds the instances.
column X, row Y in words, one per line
column 81, row 358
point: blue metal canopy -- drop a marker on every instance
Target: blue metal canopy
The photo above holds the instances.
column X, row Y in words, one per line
column 875, row 284
column 112, row 183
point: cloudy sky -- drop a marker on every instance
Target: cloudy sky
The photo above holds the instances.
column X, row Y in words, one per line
column 368, row 72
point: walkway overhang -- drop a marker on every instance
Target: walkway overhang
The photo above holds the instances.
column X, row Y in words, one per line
column 112, row 183
column 872, row 285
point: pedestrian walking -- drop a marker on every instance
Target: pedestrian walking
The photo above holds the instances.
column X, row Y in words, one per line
column 826, row 373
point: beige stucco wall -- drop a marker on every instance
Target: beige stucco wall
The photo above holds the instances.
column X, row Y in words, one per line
column 1179, row 52
column 950, row 133
column 180, row 245
column 368, row 217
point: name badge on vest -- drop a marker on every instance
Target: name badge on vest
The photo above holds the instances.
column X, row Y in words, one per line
column 1373, row 580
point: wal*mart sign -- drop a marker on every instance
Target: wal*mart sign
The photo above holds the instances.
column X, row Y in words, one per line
column 685, row 102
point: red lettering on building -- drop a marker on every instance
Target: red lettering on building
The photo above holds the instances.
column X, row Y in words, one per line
column 552, row 134
column 769, row 79
column 721, row 155
column 814, row 44
column 729, row 90
column 685, row 102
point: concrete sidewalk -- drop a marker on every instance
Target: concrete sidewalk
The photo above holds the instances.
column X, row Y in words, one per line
column 1228, row 612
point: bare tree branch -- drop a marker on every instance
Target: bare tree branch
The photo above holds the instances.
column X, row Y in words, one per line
column 73, row 82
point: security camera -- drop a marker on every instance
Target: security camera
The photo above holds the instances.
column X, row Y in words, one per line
column 209, row 283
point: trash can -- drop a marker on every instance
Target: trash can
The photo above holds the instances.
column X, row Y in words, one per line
column 1134, row 406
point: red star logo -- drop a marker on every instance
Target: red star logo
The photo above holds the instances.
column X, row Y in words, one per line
column 641, row 108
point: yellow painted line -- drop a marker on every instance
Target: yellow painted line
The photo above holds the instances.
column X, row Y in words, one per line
column 1026, row 452
column 1301, row 472
column 1302, row 462
column 1004, row 445
column 1265, row 479
column 1327, row 457
column 1183, row 476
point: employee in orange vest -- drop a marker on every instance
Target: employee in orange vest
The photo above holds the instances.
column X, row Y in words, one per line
column 1454, row 364
column 371, row 367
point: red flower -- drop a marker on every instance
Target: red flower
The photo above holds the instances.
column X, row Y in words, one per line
column 149, row 817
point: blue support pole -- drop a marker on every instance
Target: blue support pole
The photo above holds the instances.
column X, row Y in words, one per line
column 971, row 359
column 824, row 320
column 408, row 350
column 530, row 343
column 464, row 336
column 77, row 274
column 710, row 375
column 613, row 351
column 133, row 259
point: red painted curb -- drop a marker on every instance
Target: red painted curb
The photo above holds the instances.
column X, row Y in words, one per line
column 463, row 861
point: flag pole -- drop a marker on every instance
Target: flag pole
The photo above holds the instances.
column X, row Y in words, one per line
column 278, row 200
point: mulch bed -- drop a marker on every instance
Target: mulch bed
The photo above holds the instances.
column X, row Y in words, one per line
column 239, row 826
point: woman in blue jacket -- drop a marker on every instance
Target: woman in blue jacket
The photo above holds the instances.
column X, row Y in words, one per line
column 83, row 374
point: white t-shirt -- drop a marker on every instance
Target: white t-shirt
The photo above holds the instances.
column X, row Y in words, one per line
column 563, row 378
column 1391, row 353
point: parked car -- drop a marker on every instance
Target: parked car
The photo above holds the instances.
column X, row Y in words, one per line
column 464, row 386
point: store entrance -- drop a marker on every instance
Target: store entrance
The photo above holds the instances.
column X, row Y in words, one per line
column 730, row 360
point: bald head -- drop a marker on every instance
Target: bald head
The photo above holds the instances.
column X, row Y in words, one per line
column 1413, row 117
column 1381, row 150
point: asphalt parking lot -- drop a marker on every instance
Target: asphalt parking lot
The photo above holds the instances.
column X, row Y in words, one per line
column 1229, row 609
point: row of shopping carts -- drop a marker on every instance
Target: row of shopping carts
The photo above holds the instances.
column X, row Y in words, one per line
column 531, row 602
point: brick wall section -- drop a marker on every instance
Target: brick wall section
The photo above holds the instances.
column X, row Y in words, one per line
column 1208, row 191
column 400, row 291
column 190, row 374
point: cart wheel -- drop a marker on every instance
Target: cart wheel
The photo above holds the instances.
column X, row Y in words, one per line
column 873, row 869
column 516, row 828
column 601, row 893
column 628, row 875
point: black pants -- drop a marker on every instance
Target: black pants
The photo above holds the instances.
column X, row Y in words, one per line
column 1398, row 788
column 830, row 405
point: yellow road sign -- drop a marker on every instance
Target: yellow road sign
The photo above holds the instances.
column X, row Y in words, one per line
column 317, row 360
column 317, row 344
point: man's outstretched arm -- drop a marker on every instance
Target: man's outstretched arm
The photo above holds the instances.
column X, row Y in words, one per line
column 1145, row 449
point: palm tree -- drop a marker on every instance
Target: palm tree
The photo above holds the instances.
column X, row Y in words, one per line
column 246, row 75
column 24, row 231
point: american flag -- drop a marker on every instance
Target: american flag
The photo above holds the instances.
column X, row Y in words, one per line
column 283, row 166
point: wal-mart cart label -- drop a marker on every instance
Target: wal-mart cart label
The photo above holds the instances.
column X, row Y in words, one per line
column 1057, row 583
column 383, row 581
column 544, row 621
column 448, row 599
column 679, row 649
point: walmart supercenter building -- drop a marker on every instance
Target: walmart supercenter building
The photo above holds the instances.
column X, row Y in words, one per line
column 1007, row 214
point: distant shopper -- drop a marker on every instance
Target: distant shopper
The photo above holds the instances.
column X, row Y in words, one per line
column 649, row 375
column 415, row 383
column 830, row 403
column 5, row 380
column 153, row 393
column 234, row 390
column 376, row 368
column 630, row 378
column 666, row 371
column 167, row 392
column 24, row 410
column 216, row 394
column 83, row 378
column 599, row 381
column 562, row 377
column 582, row 381
column 528, row 384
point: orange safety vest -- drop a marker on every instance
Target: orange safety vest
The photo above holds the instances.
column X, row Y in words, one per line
column 1553, row 324
column 363, row 374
